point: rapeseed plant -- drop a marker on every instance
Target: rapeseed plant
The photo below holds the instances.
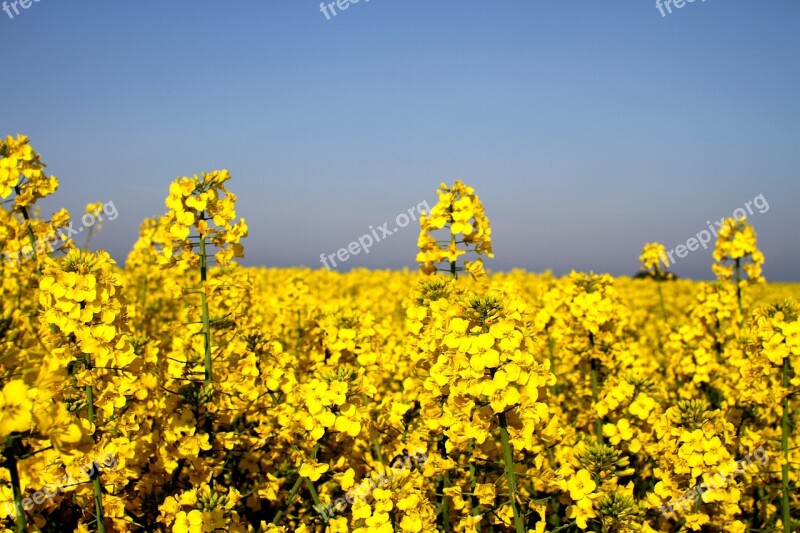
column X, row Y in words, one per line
column 280, row 400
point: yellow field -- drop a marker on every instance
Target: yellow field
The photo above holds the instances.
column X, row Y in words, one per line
column 186, row 393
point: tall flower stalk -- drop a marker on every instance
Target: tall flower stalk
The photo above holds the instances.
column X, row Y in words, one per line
column 203, row 204
column 208, row 376
column 21, row 173
column 81, row 297
column 488, row 345
column 459, row 214
column 785, row 433
column 653, row 256
column 736, row 253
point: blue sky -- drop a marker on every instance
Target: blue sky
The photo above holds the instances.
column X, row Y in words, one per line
column 587, row 127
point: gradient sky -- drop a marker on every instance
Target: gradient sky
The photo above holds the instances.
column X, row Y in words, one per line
column 588, row 128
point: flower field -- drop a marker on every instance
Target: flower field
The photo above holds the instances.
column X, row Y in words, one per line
column 183, row 392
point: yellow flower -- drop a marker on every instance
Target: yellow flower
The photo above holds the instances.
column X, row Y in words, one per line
column 581, row 485
column 642, row 406
column 485, row 493
column 15, row 408
column 696, row 521
column 313, row 470
column 622, row 431
column 191, row 522
column 580, row 515
column 653, row 256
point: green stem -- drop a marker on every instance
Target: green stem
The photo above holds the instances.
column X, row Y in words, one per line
column 206, row 322
column 785, row 448
column 511, row 476
column 26, row 218
column 595, row 397
column 176, row 475
column 98, row 503
column 143, row 302
column 598, row 422
column 661, row 298
column 551, row 350
column 89, row 236
column 453, row 270
column 445, row 484
column 476, row 506
column 295, row 489
column 739, row 282
column 90, row 416
column 313, row 490
column 89, row 391
column 717, row 343
column 19, row 510
column 289, row 500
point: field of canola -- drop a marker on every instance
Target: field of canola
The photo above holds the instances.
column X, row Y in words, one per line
column 185, row 393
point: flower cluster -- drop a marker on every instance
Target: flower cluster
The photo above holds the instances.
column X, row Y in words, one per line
column 22, row 170
column 22, row 233
column 654, row 261
column 736, row 243
column 204, row 204
column 460, row 211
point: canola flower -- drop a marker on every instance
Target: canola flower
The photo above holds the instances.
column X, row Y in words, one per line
column 736, row 244
column 459, row 213
column 281, row 400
